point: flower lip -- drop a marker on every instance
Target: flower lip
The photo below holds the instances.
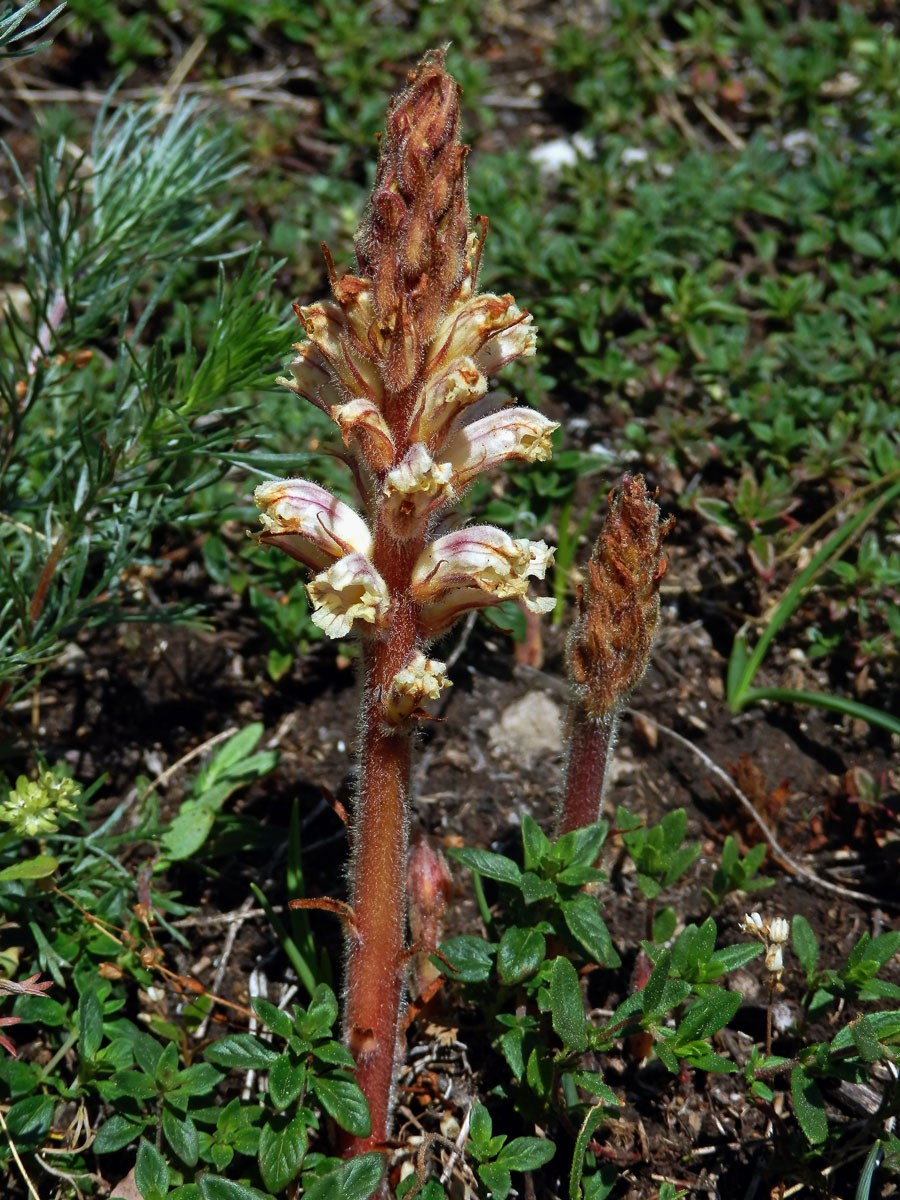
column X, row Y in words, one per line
column 308, row 523
column 350, row 590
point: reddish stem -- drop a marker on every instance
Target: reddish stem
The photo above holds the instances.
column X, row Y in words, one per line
column 375, row 959
column 590, row 746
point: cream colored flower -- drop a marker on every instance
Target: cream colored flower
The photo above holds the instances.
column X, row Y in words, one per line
column 422, row 679
column 511, row 433
column 468, row 329
column 414, row 488
column 311, row 378
column 443, row 398
column 326, row 326
column 362, row 418
column 474, row 568
column 308, row 523
column 351, row 590
column 774, row 935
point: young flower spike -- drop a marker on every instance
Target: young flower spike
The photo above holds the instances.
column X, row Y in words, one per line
column 397, row 358
column 609, row 646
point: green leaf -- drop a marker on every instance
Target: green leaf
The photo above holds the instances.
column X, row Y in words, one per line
column 357, row 1180
column 526, row 1153
column 653, row 991
column 229, row 757
column 520, row 953
column 593, row 1118
column 90, row 1023
column 151, row 1173
column 864, row 1037
column 241, row 1052
column 729, row 958
column 809, row 1106
column 582, row 915
column 29, row 1120
column 343, row 1100
column 286, row 1082
column 497, row 1179
column 214, row 1188
column 806, row 945
column 495, row 866
column 282, row 1146
column 481, row 1127
column 181, row 1134
column 188, row 832
column 197, row 1080
column 116, row 1133
column 884, row 1025
column 323, row 1008
column 40, row 1010
column 709, row 1014
column 592, row 1081
column 582, row 846
column 470, row 958
column 362, row 1176
column 535, row 843
column 273, row 1018
column 135, row 1084
column 30, row 868
column 567, row 1005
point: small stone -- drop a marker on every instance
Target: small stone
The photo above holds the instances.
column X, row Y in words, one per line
column 528, row 728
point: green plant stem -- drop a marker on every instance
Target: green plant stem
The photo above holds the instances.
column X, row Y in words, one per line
column 375, row 957
column 591, row 740
column 304, row 972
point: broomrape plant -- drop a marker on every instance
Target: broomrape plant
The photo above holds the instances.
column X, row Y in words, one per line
column 400, row 360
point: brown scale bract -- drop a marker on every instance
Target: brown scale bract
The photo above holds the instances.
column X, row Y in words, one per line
column 619, row 605
column 412, row 240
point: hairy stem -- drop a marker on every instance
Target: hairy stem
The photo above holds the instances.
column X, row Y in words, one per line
column 590, row 749
column 375, row 963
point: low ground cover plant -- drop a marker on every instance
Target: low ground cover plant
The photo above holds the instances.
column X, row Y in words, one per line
column 388, row 500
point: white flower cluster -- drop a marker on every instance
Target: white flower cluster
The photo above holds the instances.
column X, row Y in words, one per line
column 773, row 934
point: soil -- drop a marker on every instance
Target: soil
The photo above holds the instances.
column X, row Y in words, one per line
column 137, row 700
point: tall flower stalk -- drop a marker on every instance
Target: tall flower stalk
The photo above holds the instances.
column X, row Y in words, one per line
column 400, row 360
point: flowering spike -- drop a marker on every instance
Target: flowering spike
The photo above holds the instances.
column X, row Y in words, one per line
column 412, row 240
column 619, row 606
column 610, row 641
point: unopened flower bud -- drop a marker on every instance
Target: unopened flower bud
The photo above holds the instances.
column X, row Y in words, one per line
column 351, row 590
column 308, row 523
column 361, row 419
column 312, row 379
column 610, row 641
column 430, row 888
column 778, row 930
